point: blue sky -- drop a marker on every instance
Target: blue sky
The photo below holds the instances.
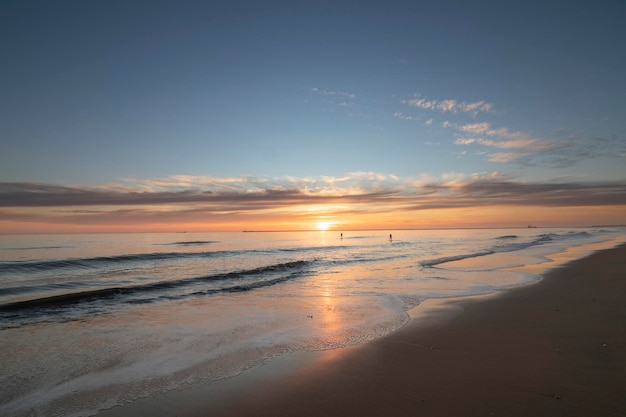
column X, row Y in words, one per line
column 129, row 93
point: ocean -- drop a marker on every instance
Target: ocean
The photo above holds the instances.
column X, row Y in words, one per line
column 91, row 321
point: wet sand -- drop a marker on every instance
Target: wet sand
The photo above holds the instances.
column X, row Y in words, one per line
column 555, row 348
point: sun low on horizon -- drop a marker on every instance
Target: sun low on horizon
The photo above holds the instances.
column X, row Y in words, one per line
column 323, row 226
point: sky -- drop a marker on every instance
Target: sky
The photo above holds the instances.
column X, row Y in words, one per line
column 278, row 115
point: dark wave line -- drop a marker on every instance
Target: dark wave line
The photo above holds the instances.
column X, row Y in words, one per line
column 28, row 266
column 329, row 248
column 63, row 300
column 25, row 289
column 433, row 262
column 191, row 243
column 94, row 262
column 251, row 286
column 38, row 248
column 509, row 247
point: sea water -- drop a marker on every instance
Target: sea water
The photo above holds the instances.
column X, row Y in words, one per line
column 88, row 322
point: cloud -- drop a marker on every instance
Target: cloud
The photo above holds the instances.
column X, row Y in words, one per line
column 520, row 145
column 345, row 103
column 402, row 116
column 562, row 148
column 504, row 157
column 558, row 149
column 219, row 195
column 364, row 198
column 330, row 93
column 507, row 139
column 192, row 190
column 449, row 105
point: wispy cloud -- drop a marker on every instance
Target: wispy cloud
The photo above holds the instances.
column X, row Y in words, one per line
column 402, row 116
column 562, row 148
column 346, row 103
column 336, row 98
column 330, row 93
column 449, row 105
column 518, row 144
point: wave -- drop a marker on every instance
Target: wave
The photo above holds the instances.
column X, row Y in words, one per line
column 328, row 248
column 100, row 261
column 94, row 262
column 563, row 236
column 39, row 248
column 433, row 262
column 506, row 247
column 507, row 237
column 191, row 243
column 230, row 282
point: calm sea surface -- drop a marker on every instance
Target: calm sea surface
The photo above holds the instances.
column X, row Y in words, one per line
column 91, row 321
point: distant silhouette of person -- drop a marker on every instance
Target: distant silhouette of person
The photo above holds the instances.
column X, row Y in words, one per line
column 390, row 237
column 341, row 235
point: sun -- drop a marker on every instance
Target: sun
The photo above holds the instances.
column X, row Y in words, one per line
column 323, row 225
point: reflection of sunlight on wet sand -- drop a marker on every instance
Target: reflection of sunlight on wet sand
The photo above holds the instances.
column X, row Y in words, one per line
column 330, row 321
column 330, row 356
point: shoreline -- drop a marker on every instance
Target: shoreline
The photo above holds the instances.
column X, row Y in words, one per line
column 549, row 348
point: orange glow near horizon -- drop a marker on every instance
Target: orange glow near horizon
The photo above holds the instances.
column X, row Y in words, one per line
column 109, row 220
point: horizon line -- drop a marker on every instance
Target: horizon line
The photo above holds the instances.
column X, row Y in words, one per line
column 315, row 230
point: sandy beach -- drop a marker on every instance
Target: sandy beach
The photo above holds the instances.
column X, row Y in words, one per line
column 555, row 348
